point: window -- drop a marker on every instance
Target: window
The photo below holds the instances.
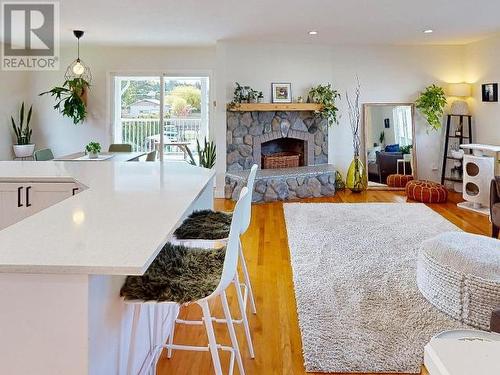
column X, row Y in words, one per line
column 137, row 111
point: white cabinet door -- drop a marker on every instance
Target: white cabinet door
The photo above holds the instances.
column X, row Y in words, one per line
column 43, row 195
column 12, row 204
column 19, row 200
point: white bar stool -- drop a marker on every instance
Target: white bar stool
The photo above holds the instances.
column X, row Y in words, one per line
column 229, row 276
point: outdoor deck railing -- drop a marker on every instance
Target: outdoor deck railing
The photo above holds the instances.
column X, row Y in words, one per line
column 137, row 131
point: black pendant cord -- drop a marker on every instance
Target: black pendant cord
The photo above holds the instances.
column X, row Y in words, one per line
column 78, row 48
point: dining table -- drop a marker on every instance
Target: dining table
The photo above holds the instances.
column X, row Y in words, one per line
column 103, row 156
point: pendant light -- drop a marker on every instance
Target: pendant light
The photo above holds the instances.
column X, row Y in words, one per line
column 78, row 69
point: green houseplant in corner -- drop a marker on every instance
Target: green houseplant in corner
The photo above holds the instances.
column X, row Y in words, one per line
column 93, row 149
column 71, row 99
column 23, row 147
column 431, row 103
column 326, row 96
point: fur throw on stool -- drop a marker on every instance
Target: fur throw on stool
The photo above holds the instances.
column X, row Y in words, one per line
column 179, row 274
column 206, row 225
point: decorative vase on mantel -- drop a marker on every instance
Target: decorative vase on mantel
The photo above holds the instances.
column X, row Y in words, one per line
column 357, row 179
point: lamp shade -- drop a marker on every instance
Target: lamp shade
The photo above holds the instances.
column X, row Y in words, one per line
column 459, row 89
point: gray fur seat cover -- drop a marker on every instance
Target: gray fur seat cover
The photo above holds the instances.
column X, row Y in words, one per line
column 178, row 274
column 206, row 225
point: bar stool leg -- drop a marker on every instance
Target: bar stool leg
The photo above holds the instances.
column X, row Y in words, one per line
column 171, row 337
column 207, row 319
column 232, row 333
column 247, row 279
column 133, row 333
column 243, row 314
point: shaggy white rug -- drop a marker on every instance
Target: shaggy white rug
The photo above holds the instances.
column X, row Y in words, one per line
column 354, row 271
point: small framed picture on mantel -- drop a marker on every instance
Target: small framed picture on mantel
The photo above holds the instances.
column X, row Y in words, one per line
column 281, row 92
column 490, row 92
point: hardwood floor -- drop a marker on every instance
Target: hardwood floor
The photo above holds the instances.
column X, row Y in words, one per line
column 275, row 330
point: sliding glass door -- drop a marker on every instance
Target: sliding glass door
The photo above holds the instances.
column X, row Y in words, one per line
column 162, row 113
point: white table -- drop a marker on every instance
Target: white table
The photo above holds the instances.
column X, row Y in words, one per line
column 114, row 156
column 181, row 145
column 485, row 159
column 62, row 268
column 450, row 356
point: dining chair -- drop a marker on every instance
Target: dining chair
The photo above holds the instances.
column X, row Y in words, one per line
column 43, row 155
column 120, row 147
column 151, row 156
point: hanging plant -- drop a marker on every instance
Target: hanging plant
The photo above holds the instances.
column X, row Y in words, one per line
column 431, row 104
column 71, row 99
column 326, row 96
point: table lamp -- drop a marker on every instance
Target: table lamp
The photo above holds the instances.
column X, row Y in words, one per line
column 459, row 90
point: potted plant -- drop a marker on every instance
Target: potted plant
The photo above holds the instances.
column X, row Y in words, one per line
column 252, row 96
column 326, row 96
column 381, row 138
column 93, row 149
column 260, row 97
column 407, row 152
column 431, row 104
column 71, row 99
column 23, row 148
column 206, row 155
column 245, row 94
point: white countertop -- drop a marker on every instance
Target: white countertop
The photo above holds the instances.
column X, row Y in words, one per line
column 115, row 227
column 476, row 146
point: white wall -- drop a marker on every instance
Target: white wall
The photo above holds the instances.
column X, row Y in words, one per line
column 59, row 133
column 13, row 91
column 374, row 125
column 386, row 73
column 482, row 65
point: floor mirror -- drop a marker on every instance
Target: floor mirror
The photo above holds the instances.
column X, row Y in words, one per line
column 389, row 146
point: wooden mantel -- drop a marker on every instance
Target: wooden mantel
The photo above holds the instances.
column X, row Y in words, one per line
column 286, row 107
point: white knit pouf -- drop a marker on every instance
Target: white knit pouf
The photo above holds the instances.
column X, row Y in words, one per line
column 459, row 273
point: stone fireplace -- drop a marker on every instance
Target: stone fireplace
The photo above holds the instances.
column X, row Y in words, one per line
column 252, row 135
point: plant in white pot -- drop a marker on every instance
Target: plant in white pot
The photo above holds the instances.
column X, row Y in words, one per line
column 93, row 149
column 23, row 148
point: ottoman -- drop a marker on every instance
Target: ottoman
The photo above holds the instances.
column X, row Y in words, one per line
column 398, row 180
column 459, row 273
column 426, row 191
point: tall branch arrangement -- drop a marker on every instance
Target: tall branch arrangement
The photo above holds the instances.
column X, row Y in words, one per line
column 354, row 117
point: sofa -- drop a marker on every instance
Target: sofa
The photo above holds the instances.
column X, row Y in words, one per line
column 495, row 206
column 385, row 165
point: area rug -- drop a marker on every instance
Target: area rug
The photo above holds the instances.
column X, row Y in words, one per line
column 354, row 272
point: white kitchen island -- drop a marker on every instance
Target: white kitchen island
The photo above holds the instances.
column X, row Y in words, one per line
column 61, row 268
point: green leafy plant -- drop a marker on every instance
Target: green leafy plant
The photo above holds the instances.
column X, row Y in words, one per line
column 93, row 148
column 70, row 99
column 244, row 94
column 21, row 130
column 431, row 104
column 206, row 156
column 381, row 137
column 326, row 96
column 406, row 149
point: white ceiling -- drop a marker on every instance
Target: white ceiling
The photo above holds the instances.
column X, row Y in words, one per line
column 203, row 22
